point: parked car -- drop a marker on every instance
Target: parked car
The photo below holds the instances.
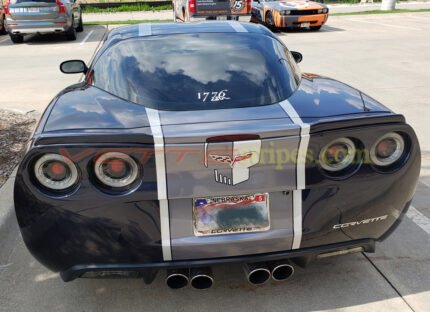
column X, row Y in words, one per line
column 24, row 17
column 2, row 20
column 194, row 10
column 292, row 14
column 192, row 145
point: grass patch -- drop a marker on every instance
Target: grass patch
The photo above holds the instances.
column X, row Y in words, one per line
column 128, row 8
column 381, row 12
column 128, row 22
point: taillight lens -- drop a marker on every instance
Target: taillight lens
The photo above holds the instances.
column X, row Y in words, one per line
column 388, row 149
column 61, row 7
column 248, row 6
column 6, row 8
column 116, row 169
column 192, row 6
column 337, row 155
column 56, row 172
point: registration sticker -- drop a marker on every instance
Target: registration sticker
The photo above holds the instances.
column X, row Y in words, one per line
column 216, row 215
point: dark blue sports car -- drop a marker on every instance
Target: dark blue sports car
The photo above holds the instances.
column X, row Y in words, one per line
column 192, row 145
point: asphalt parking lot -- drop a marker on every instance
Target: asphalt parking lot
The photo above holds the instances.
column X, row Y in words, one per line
column 386, row 56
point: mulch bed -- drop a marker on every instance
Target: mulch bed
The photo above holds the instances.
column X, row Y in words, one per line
column 15, row 130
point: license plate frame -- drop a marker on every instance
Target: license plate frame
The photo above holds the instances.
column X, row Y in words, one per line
column 231, row 214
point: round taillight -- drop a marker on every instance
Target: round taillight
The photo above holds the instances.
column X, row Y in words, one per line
column 337, row 155
column 56, row 172
column 388, row 149
column 116, row 169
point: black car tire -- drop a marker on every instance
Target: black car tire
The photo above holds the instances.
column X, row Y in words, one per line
column 3, row 26
column 71, row 32
column 81, row 25
column 315, row 27
column 16, row 38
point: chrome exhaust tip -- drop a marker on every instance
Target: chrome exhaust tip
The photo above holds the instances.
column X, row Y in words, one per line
column 257, row 273
column 201, row 278
column 281, row 271
column 177, row 278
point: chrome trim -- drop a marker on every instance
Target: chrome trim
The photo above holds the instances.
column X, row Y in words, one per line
column 400, row 148
column 345, row 162
column 69, row 181
column 129, row 179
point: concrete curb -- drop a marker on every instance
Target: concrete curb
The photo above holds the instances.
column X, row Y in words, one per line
column 6, row 199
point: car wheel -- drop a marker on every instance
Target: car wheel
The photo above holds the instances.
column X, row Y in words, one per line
column 80, row 26
column 71, row 32
column 315, row 27
column 17, row 38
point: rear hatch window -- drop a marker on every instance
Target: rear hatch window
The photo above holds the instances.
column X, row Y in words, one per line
column 198, row 71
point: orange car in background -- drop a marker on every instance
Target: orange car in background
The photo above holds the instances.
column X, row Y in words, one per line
column 292, row 14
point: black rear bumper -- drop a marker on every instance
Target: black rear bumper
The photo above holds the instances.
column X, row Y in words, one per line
column 147, row 271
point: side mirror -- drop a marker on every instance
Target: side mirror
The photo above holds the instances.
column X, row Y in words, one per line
column 73, row 67
column 298, row 57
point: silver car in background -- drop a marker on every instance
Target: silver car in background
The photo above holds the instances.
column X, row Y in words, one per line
column 24, row 17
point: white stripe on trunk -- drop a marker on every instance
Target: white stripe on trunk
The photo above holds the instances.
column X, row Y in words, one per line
column 145, row 30
column 160, row 163
column 238, row 27
column 301, row 171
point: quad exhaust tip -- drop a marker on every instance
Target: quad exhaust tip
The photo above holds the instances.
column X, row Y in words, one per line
column 281, row 271
column 201, row 278
column 177, row 279
column 260, row 273
column 257, row 273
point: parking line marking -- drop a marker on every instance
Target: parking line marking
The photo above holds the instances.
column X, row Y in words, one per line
column 86, row 37
column 425, row 183
column 384, row 24
column 419, row 219
column 4, row 40
column 4, row 266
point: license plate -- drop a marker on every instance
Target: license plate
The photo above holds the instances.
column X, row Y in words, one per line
column 33, row 10
column 305, row 25
column 216, row 215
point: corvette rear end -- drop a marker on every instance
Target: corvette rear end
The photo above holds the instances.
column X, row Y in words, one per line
column 174, row 166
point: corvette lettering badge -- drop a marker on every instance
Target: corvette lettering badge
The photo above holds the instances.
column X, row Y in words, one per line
column 233, row 168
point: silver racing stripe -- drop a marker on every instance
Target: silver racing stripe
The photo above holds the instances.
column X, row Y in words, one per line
column 145, row 30
column 160, row 163
column 238, row 27
column 300, row 173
